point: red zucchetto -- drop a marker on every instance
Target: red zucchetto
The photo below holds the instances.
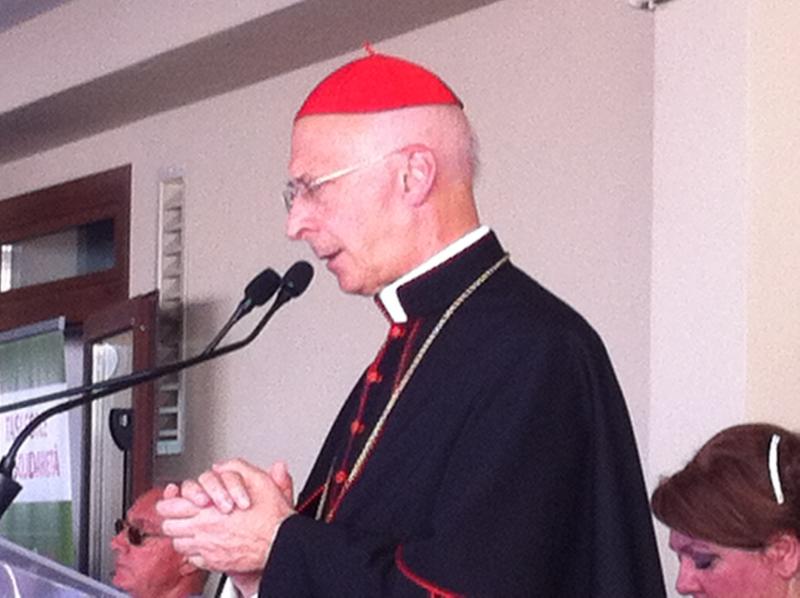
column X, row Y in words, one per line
column 376, row 83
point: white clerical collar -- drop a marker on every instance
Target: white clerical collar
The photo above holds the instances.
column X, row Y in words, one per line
column 388, row 295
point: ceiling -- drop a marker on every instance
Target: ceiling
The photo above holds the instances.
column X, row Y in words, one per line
column 248, row 53
column 14, row 12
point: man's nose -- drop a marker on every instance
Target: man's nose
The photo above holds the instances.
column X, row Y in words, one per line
column 299, row 220
column 120, row 542
column 687, row 580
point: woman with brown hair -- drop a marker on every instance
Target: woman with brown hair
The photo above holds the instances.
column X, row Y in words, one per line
column 734, row 515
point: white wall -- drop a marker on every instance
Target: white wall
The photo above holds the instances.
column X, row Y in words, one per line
column 774, row 223
column 698, row 320
column 724, row 319
column 698, row 343
column 698, row 347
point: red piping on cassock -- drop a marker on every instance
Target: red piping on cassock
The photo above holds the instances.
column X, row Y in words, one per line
column 434, row 590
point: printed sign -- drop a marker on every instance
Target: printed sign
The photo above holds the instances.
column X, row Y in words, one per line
column 43, row 461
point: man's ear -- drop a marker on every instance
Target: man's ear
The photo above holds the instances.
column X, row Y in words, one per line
column 418, row 174
column 783, row 554
column 186, row 568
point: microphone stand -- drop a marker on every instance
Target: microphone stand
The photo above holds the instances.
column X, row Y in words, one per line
column 9, row 488
column 257, row 293
column 242, row 309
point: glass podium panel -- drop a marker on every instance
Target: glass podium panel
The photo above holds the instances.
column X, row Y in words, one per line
column 25, row 574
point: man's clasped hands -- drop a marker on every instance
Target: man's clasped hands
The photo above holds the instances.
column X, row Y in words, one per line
column 228, row 518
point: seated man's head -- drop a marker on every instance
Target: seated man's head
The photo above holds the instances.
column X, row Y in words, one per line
column 146, row 563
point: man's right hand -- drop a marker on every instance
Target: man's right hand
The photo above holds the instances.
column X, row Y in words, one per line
column 225, row 488
column 227, row 520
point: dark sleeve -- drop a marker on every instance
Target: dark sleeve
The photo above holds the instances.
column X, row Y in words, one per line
column 516, row 512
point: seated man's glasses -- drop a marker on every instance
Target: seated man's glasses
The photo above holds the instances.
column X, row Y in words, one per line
column 302, row 186
column 135, row 536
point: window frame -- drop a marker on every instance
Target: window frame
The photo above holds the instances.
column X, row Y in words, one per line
column 100, row 196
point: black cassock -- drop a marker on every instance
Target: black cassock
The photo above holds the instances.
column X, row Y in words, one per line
column 505, row 467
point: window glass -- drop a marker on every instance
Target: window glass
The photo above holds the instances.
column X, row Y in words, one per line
column 72, row 252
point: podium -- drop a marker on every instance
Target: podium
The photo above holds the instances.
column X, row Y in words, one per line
column 25, row 574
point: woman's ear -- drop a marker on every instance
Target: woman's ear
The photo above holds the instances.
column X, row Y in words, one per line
column 418, row 174
column 783, row 555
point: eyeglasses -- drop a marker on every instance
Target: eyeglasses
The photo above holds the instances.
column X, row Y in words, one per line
column 135, row 536
column 302, row 186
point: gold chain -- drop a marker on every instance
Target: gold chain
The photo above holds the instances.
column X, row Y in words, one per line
column 376, row 430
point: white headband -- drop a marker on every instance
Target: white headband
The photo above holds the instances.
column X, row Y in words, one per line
column 774, row 472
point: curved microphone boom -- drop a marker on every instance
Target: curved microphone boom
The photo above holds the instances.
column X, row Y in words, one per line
column 256, row 293
column 293, row 284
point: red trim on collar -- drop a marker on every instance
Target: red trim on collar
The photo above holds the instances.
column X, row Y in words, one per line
column 434, row 590
column 307, row 502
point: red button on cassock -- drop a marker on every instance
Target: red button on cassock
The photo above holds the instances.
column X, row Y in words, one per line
column 341, row 476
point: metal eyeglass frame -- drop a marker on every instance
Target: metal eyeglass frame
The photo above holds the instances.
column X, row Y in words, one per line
column 298, row 186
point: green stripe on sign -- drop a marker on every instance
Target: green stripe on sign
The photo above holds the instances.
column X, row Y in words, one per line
column 44, row 527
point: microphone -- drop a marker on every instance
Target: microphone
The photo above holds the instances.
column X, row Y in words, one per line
column 293, row 284
column 256, row 293
column 295, row 281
